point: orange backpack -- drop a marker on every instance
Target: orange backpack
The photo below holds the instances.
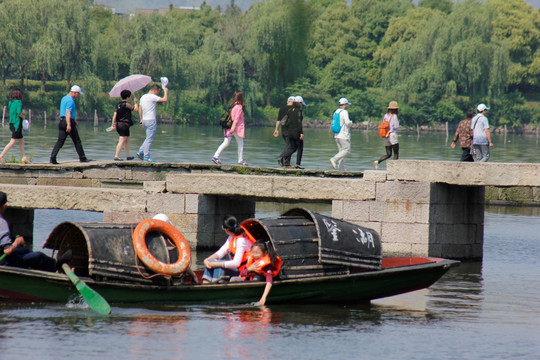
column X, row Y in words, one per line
column 384, row 128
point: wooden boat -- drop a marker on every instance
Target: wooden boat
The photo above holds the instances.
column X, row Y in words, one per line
column 325, row 260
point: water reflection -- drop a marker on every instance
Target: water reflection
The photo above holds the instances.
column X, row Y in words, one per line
column 458, row 295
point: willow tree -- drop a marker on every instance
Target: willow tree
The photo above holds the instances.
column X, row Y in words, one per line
column 375, row 15
column 401, row 30
column 20, row 17
column 108, row 58
column 154, row 50
column 516, row 25
column 336, row 31
column 454, row 51
column 71, row 35
column 217, row 70
column 275, row 47
column 47, row 52
column 7, row 44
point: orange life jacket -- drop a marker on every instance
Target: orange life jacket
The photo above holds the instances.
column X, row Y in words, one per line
column 233, row 245
column 262, row 263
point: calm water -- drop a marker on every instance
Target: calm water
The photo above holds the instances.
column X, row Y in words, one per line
column 488, row 310
column 198, row 144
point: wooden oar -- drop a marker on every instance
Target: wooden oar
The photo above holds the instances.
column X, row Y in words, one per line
column 96, row 301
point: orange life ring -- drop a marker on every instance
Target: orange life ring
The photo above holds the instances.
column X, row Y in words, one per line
column 139, row 243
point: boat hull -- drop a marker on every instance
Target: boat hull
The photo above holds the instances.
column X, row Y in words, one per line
column 403, row 276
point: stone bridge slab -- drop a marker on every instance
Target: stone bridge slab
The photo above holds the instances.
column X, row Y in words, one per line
column 465, row 173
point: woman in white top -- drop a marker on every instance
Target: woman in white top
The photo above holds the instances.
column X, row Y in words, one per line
column 391, row 140
column 343, row 138
column 226, row 262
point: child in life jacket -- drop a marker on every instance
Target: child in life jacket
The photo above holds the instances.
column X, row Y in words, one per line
column 226, row 262
column 261, row 265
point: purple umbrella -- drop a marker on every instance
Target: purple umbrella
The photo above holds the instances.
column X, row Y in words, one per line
column 131, row 83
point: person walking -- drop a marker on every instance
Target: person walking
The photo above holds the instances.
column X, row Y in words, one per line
column 481, row 136
column 300, row 142
column 290, row 120
column 391, row 139
column 465, row 135
column 147, row 116
column 16, row 115
column 237, row 130
column 343, row 138
column 122, row 121
column 281, row 114
column 68, row 125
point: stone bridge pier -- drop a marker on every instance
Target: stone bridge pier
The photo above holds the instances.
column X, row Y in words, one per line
column 421, row 218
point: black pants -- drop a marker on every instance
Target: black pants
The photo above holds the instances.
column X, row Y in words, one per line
column 291, row 145
column 389, row 149
column 466, row 155
column 299, row 152
column 24, row 258
column 62, row 135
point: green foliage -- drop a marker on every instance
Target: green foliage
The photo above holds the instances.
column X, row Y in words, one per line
column 18, row 160
column 444, row 6
column 270, row 112
column 343, row 75
column 436, row 59
column 448, row 111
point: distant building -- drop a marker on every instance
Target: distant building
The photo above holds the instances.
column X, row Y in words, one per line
column 163, row 11
column 119, row 7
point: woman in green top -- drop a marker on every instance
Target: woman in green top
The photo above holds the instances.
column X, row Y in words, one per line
column 15, row 125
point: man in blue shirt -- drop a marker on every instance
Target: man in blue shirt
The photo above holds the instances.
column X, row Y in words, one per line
column 68, row 125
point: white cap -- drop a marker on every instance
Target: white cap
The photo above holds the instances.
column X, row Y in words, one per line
column 162, row 217
column 291, row 98
column 77, row 89
column 482, row 107
column 299, row 99
column 343, row 101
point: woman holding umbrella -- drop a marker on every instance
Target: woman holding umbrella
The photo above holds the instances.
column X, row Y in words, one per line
column 122, row 122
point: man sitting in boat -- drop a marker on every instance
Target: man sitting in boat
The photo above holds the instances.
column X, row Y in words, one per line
column 13, row 252
column 261, row 265
column 218, row 266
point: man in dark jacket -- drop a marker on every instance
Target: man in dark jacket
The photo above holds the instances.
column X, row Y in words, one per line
column 291, row 131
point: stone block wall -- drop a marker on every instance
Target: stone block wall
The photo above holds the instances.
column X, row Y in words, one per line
column 421, row 218
column 456, row 221
column 198, row 217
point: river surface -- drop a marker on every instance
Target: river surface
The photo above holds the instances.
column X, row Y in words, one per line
column 480, row 310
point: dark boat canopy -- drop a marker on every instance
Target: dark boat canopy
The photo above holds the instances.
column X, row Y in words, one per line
column 311, row 244
column 106, row 251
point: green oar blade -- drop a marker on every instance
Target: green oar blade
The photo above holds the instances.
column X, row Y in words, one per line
column 92, row 297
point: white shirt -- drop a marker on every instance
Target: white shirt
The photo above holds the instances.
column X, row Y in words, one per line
column 346, row 124
column 479, row 124
column 148, row 105
column 242, row 245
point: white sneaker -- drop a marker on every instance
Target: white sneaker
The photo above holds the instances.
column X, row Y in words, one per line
column 333, row 163
column 375, row 165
